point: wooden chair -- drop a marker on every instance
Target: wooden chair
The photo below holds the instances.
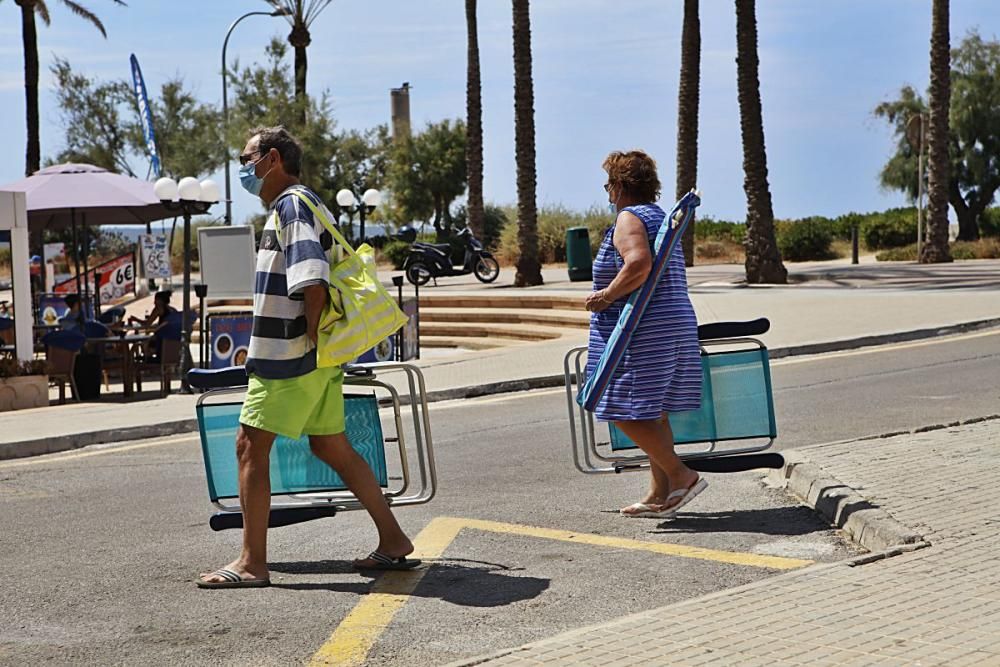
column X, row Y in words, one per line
column 61, row 365
column 167, row 366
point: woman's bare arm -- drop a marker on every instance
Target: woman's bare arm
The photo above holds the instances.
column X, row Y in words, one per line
column 632, row 242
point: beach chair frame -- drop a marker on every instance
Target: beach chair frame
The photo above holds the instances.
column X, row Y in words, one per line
column 417, row 483
column 595, row 455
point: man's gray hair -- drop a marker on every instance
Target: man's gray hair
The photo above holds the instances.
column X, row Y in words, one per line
column 280, row 139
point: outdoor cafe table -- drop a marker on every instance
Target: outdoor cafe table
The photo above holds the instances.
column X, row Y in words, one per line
column 126, row 346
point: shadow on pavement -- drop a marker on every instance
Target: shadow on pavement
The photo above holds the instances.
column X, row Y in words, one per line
column 786, row 521
column 462, row 585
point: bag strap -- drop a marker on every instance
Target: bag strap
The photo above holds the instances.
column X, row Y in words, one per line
column 330, row 227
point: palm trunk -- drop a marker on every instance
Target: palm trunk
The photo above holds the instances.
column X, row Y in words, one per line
column 529, row 269
column 936, row 248
column 763, row 259
column 687, row 115
column 474, row 126
column 300, row 40
column 29, row 36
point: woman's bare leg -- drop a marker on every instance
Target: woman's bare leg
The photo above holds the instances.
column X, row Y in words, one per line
column 668, row 472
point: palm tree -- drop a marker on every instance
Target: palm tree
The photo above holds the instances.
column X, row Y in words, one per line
column 936, row 247
column 763, row 261
column 529, row 269
column 687, row 115
column 29, row 36
column 474, row 125
column 300, row 15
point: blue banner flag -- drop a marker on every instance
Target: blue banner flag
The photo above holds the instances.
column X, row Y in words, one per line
column 144, row 115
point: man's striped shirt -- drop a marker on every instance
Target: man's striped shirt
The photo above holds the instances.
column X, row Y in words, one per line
column 294, row 253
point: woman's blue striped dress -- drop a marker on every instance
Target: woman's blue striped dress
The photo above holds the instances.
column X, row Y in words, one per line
column 661, row 369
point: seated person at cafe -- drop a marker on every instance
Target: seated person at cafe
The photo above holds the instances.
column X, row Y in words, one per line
column 166, row 319
column 73, row 320
column 162, row 310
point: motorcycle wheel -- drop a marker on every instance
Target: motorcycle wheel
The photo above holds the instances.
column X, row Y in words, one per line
column 487, row 269
column 418, row 273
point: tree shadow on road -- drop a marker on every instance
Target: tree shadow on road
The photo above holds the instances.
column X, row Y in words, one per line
column 786, row 521
column 469, row 584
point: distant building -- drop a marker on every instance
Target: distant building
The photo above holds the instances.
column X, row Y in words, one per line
column 401, row 110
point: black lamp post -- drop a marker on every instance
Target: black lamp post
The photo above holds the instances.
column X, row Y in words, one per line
column 189, row 197
column 279, row 11
column 350, row 204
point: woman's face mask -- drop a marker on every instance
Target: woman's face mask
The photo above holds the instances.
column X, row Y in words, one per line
column 249, row 179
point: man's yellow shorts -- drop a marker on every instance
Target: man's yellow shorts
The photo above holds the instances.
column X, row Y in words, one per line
column 311, row 404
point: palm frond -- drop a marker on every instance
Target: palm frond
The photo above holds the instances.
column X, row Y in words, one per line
column 288, row 6
column 43, row 12
column 86, row 14
column 314, row 9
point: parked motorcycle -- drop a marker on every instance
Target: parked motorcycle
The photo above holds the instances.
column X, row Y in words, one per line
column 433, row 260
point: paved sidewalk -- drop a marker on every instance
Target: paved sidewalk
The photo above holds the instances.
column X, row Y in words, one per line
column 938, row 605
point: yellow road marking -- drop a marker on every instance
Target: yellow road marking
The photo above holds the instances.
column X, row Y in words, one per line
column 351, row 642
column 699, row 553
column 354, row 638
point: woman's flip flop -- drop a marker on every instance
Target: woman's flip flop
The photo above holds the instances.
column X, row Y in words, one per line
column 685, row 495
column 644, row 511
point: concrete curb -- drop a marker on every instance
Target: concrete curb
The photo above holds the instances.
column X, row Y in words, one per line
column 883, row 339
column 62, row 443
column 866, row 523
column 12, row 450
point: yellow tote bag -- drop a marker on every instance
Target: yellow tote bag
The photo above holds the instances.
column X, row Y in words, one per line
column 360, row 313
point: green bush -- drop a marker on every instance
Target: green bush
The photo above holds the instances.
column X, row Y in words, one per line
column 396, row 252
column 894, row 228
column 553, row 222
column 710, row 229
column 804, row 240
column 989, row 222
column 842, row 225
column 494, row 220
column 903, row 254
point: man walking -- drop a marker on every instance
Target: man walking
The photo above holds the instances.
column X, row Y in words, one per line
column 287, row 394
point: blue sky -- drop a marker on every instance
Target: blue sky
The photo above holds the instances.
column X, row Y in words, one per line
column 605, row 75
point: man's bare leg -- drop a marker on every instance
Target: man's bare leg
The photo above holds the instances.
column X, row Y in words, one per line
column 253, row 452
column 336, row 451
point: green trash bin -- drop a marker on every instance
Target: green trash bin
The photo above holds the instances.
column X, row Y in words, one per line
column 578, row 257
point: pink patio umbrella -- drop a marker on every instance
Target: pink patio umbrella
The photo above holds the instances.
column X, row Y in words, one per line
column 56, row 195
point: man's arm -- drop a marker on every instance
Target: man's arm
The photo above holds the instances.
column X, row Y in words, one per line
column 315, row 297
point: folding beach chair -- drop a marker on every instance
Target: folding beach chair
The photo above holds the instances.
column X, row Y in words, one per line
column 728, row 433
column 304, row 488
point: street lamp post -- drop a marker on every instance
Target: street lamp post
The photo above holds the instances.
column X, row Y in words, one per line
column 349, row 203
column 187, row 197
column 281, row 11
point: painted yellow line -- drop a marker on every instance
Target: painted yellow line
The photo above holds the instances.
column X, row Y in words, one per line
column 98, row 450
column 699, row 553
column 351, row 642
column 354, row 638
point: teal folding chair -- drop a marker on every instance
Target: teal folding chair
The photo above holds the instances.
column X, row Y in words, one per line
column 304, row 488
column 728, row 433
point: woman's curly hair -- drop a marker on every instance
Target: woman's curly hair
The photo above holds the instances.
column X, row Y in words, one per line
column 634, row 173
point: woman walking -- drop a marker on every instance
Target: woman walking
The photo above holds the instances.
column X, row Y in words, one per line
column 661, row 370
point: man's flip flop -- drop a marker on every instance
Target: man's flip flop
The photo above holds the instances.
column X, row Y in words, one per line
column 383, row 562
column 231, row 580
column 644, row 511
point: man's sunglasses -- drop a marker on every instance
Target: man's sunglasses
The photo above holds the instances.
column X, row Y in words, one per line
column 248, row 157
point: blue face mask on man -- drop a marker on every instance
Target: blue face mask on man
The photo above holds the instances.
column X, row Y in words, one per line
column 249, row 179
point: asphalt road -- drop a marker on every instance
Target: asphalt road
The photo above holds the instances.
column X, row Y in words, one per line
column 99, row 547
